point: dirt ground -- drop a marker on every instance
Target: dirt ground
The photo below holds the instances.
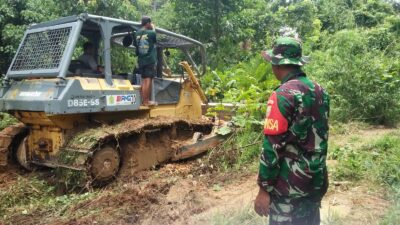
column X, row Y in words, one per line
column 192, row 193
column 178, row 194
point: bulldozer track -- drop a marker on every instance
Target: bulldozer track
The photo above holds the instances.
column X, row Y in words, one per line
column 8, row 136
column 141, row 143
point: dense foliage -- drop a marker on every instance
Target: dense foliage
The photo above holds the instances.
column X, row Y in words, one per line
column 354, row 47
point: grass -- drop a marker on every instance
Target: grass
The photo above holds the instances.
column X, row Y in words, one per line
column 6, row 120
column 244, row 216
column 376, row 161
column 333, row 219
column 392, row 217
column 34, row 196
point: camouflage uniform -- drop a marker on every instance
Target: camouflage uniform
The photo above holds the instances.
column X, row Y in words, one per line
column 292, row 165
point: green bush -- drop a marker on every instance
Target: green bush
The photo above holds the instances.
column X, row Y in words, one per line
column 6, row 120
column 362, row 79
column 249, row 84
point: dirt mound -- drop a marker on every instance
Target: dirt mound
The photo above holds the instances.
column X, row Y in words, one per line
column 125, row 207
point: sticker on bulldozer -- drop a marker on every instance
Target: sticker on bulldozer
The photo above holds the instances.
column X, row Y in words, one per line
column 114, row 100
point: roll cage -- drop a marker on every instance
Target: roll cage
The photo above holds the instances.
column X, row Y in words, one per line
column 47, row 48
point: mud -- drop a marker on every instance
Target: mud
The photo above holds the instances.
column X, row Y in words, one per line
column 8, row 137
column 8, row 177
column 125, row 207
column 141, row 144
column 93, row 137
column 145, row 151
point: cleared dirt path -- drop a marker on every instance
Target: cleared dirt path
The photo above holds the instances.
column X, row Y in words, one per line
column 175, row 195
column 192, row 193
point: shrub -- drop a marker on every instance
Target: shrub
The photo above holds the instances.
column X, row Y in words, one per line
column 362, row 80
column 6, row 120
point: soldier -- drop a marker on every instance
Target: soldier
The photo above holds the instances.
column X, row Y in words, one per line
column 293, row 175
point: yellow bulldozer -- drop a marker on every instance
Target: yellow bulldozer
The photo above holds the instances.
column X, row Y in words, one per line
column 75, row 119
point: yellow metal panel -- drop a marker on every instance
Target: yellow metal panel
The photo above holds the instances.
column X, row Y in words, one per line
column 38, row 118
column 194, row 81
column 45, row 137
column 89, row 84
column 42, row 119
column 46, row 133
column 45, row 141
column 189, row 105
column 136, row 87
column 123, row 84
column 118, row 85
column 68, row 121
column 164, row 110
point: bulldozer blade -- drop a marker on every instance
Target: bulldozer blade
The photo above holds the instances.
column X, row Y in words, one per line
column 196, row 146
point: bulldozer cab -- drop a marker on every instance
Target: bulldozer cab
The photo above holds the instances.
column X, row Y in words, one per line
column 50, row 49
column 49, row 53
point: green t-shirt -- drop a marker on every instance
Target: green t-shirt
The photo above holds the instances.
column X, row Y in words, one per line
column 146, row 40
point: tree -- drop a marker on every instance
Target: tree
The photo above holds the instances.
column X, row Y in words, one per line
column 205, row 20
column 335, row 15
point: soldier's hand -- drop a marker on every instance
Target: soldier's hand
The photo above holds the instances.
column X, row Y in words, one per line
column 262, row 202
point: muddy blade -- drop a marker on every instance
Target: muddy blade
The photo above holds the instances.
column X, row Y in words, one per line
column 197, row 146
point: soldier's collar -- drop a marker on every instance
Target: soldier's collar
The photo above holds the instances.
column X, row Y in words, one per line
column 291, row 75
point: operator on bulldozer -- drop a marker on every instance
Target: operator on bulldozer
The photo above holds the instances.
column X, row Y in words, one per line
column 88, row 57
column 145, row 42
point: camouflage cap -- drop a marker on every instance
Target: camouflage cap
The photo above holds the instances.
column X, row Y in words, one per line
column 286, row 51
